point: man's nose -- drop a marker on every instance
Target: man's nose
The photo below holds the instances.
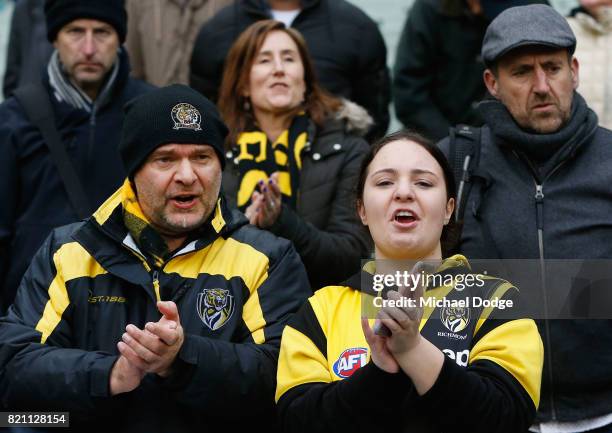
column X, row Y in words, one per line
column 541, row 85
column 89, row 47
column 185, row 173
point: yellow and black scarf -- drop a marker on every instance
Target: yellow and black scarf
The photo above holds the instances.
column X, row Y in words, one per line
column 258, row 158
column 150, row 242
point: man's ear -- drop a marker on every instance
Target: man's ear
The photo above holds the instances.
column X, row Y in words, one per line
column 490, row 81
column 574, row 68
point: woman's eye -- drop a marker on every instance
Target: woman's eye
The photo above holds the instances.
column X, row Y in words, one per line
column 424, row 184
column 383, row 183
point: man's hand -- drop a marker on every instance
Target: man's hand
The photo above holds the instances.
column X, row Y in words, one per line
column 125, row 376
column 154, row 349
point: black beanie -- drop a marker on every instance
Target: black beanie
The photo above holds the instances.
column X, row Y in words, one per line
column 173, row 114
column 61, row 12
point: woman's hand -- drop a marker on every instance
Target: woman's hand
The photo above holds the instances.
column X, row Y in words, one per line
column 417, row 357
column 403, row 322
column 378, row 349
column 266, row 204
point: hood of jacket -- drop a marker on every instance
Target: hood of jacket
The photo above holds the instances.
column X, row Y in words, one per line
column 354, row 117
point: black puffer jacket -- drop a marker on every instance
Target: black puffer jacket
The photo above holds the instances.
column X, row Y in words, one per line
column 324, row 228
column 346, row 46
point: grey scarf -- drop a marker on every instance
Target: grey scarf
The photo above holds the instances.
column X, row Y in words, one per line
column 545, row 149
column 66, row 91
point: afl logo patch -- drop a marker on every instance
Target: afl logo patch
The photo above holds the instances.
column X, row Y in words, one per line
column 456, row 319
column 186, row 116
column 215, row 307
column 350, row 361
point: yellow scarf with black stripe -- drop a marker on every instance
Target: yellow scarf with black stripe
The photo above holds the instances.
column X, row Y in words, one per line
column 150, row 242
column 258, row 159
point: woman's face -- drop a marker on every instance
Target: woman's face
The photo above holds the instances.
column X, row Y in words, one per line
column 276, row 81
column 404, row 202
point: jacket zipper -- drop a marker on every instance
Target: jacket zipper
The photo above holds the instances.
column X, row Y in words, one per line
column 539, row 198
column 156, row 284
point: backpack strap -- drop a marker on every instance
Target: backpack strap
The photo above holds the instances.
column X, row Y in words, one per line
column 35, row 101
column 464, row 156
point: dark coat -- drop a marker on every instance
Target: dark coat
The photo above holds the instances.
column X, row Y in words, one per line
column 346, row 46
column 34, row 199
column 437, row 76
column 28, row 50
column 324, row 228
column 573, row 213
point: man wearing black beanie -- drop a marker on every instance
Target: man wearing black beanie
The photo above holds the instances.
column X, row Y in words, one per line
column 58, row 139
column 163, row 312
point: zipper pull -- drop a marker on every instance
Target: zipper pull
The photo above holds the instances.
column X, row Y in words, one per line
column 156, row 284
column 539, row 195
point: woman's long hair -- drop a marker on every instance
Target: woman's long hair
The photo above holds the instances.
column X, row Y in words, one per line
column 232, row 104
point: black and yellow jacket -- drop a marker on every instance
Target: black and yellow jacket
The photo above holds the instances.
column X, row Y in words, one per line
column 235, row 287
column 489, row 382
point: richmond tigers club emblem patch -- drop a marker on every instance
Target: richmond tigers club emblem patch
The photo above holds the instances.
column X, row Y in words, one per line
column 215, row 307
column 186, row 116
column 456, row 319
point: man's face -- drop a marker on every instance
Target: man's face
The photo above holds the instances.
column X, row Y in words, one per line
column 536, row 84
column 178, row 186
column 87, row 49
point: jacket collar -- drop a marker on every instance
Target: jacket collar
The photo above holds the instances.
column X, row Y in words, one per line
column 261, row 7
column 104, row 231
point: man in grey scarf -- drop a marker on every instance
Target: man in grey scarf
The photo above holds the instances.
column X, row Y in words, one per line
column 86, row 84
column 540, row 189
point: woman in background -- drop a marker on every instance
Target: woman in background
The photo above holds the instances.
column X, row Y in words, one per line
column 293, row 151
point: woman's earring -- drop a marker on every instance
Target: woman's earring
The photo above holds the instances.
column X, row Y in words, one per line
column 247, row 104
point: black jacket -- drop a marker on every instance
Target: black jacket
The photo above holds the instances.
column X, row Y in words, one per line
column 28, row 50
column 438, row 70
column 346, row 46
column 324, row 228
column 502, row 217
column 58, row 343
column 34, row 199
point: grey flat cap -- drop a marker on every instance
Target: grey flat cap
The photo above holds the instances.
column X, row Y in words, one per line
column 536, row 24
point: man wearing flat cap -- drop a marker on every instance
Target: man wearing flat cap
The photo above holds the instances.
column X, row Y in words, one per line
column 540, row 188
column 46, row 183
column 163, row 312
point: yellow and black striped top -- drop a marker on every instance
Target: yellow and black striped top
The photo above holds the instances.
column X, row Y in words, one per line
column 490, row 380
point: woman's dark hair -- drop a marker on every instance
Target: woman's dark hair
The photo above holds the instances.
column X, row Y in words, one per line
column 232, row 104
column 450, row 233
